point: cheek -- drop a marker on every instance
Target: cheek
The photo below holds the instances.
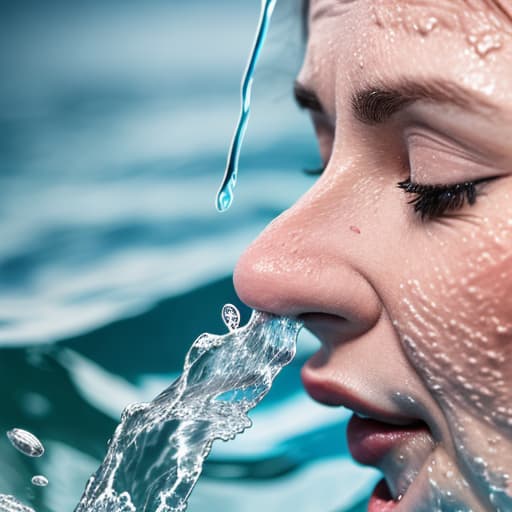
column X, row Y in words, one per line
column 455, row 323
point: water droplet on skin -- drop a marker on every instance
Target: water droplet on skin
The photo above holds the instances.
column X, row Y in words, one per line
column 25, row 442
column 486, row 44
column 231, row 316
column 425, row 27
column 39, row 481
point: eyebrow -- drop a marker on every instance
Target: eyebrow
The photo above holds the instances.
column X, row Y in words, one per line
column 377, row 103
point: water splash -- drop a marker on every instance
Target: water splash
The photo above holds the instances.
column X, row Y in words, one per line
column 25, row 442
column 225, row 193
column 156, row 454
column 9, row 503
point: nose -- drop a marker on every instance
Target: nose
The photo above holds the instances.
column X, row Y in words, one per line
column 305, row 265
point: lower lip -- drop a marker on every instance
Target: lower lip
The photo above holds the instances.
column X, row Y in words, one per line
column 370, row 440
column 381, row 500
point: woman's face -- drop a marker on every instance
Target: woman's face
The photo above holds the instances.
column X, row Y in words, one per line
column 412, row 302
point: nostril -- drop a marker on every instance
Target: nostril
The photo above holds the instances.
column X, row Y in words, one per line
column 333, row 329
column 322, row 321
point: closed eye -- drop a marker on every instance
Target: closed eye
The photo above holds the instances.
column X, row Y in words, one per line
column 433, row 201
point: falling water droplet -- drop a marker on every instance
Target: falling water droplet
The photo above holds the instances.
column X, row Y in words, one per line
column 25, row 442
column 39, row 481
column 225, row 193
column 231, row 316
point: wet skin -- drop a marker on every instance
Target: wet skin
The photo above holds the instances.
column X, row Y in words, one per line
column 413, row 308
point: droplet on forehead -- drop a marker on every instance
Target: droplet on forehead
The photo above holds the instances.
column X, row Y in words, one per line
column 39, row 481
column 25, row 442
column 231, row 316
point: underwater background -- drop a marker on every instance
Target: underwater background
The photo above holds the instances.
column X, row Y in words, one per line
column 115, row 121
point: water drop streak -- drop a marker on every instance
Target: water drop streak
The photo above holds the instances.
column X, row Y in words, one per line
column 225, row 194
column 156, row 454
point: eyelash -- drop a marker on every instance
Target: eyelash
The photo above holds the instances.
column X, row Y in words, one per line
column 433, row 201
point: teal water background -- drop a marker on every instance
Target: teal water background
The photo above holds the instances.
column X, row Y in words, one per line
column 115, row 120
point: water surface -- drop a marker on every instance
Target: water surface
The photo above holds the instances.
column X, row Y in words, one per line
column 115, row 121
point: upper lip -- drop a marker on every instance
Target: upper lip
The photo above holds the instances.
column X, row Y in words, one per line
column 330, row 393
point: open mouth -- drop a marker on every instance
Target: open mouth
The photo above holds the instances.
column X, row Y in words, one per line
column 381, row 499
column 398, row 450
column 398, row 444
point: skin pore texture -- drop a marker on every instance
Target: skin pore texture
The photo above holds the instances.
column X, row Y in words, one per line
column 414, row 312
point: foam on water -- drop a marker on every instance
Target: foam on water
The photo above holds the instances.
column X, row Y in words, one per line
column 9, row 503
column 225, row 194
column 156, row 454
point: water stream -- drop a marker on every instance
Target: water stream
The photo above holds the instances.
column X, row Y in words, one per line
column 156, row 454
column 225, row 194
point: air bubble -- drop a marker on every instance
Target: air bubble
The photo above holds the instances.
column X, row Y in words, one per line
column 25, row 442
column 231, row 316
column 39, row 481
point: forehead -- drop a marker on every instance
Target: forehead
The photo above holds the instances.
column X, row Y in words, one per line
column 353, row 43
column 471, row 16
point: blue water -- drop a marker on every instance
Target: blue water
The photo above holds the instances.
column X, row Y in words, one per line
column 115, row 120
